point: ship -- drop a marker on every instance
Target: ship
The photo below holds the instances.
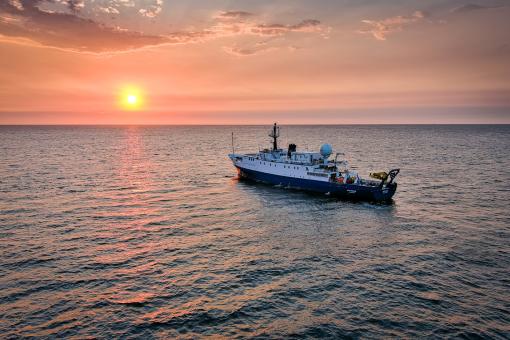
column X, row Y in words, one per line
column 312, row 171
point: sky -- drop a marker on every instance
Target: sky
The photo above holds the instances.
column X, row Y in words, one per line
column 254, row 62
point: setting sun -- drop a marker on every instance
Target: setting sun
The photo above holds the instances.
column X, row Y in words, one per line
column 130, row 98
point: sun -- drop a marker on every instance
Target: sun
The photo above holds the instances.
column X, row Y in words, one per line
column 130, row 98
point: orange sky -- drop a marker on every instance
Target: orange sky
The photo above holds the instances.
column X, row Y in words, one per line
column 224, row 62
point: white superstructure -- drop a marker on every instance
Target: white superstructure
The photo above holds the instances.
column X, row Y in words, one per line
column 305, row 165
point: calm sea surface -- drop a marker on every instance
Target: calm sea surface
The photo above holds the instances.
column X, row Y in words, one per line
column 145, row 232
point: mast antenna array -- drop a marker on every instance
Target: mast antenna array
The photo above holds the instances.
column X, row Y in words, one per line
column 275, row 133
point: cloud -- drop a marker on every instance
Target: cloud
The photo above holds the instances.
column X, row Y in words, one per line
column 153, row 10
column 234, row 15
column 17, row 4
column 252, row 26
column 108, row 10
column 122, row 3
column 275, row 35
column 146, row 8
column 69, row 31
column 245, row 52
column 380, row 29
column 471, row 7
column 256, row 49
column 76, row 5
column 278, row 29
column 25, row 20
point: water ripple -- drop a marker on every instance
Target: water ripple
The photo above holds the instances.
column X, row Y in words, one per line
column 144, row 232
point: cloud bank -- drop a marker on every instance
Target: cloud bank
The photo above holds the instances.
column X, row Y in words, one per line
column 27, row 20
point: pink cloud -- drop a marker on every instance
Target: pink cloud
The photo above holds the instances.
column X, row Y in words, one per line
column 380, row 29
column 234, row 15
column 26, row 21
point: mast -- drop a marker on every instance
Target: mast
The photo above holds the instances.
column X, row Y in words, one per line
column 233, row 150
column 275, row 133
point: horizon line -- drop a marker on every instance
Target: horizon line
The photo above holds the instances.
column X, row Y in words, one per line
column 294, row 124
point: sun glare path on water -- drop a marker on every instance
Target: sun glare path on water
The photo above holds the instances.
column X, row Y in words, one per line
column 130, row 98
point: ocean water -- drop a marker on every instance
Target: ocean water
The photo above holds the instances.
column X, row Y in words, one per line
column 145, row 232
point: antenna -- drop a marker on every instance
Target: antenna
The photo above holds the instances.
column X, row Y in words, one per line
column 233, row 150
column 275, row 133
column 338, row 154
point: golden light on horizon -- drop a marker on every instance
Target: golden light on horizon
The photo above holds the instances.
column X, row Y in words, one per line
column 130, row 98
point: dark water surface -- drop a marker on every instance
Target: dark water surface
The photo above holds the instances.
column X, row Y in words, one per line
column 145, row 232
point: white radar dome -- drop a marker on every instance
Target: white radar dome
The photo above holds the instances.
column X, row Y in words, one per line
column 326, row 150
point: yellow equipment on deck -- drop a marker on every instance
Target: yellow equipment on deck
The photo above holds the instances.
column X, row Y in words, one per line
column 383, row 176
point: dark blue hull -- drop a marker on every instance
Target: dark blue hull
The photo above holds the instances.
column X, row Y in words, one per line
column 350, row 191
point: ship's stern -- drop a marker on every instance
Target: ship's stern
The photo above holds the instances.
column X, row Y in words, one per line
column 385, row 193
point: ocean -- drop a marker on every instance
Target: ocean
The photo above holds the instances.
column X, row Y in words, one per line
column 146, row 232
